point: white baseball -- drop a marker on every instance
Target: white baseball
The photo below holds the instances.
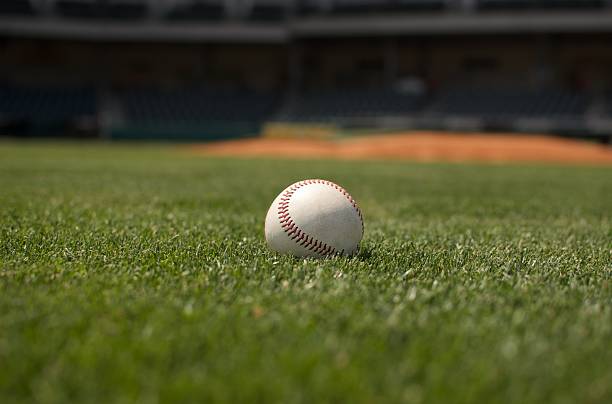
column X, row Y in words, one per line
column 314, row 218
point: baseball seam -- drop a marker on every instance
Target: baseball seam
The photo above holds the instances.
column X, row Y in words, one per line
column 298, row 235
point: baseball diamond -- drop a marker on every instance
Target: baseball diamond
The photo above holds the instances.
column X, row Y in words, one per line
column 306, row 201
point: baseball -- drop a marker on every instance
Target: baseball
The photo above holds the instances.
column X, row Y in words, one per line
column 314, row 218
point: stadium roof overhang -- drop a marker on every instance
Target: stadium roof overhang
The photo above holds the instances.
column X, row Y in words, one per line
column 145, row 31
column 228, row 31
column 457, row 24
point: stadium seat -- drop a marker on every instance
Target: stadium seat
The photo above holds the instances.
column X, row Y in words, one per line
column 268, row 11
column 196, row 105
column 197, row 11
column 46, row 105
column 361, row 6
column 608, row 105
column 126, row 10
column 417, row 5
column 99, row 9
column 510, row 103
column 16, row 7
column 78, row 9
column 356, row 103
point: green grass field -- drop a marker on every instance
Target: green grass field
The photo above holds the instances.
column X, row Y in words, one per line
column 140, row 273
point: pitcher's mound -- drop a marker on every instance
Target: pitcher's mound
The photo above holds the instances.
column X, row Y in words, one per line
column 423, row 146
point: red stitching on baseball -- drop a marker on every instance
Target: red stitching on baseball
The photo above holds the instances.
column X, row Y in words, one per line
column 292, row 229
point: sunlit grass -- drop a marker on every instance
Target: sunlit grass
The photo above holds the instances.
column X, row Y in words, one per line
column 141, row 274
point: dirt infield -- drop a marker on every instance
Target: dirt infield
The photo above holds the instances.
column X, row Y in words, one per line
column 423, row 146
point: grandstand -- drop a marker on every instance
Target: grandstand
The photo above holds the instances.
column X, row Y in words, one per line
column 204, row 69
column 65, row 109
column 326, row 106
column 510, row 108
column 111, row 9
column 186, row 113
column 16, row 7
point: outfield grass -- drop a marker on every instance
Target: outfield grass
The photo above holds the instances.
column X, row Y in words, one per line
column 141, row 274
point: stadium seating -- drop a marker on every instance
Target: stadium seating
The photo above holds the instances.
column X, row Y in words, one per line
column 197, row 10
column 307, row 7
column 510, row 103
column 356, row 103
column 198, row 113
column 78, row 9
column 196, row 105
column 608, row 105
column 126, row 10
column 16, row 7
column 417, row 5
column 191, row 114
column 268, row 11
column 100, row 9
column 46, row 105
column 360, row 6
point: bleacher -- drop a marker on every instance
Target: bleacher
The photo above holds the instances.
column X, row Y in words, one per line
column 307, row 7
column 204, row 10
column 48, row 111
column 194, row 113
column 196, row 105
column 268, row 10
column 46, row 104
column 204, row 113
column 102, row 9
column 361, row 6
column 501, row 104
column 194, row 109
column 16, row 7
column 346, row 104
column 131, row 10
column 421, row 5
column 78, row 9
column 607, row 112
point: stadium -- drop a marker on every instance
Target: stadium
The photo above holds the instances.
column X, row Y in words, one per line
column 143, row 141
column 92, row 68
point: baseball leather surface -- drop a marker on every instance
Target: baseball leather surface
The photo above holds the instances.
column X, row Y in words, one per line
column 314, row 218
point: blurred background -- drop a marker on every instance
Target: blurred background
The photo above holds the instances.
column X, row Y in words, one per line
column 213, row 69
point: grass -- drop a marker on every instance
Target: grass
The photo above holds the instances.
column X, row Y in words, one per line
column 141, row 274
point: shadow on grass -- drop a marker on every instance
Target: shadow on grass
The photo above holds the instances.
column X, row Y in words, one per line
column 365, row 254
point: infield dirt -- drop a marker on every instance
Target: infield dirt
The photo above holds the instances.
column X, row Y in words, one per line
column 423, row 146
